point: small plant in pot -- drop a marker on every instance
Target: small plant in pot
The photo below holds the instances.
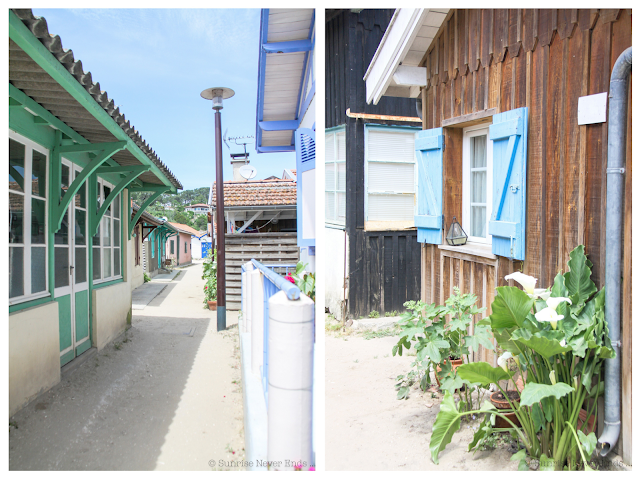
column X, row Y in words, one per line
column 210, row 276
column 441, row 345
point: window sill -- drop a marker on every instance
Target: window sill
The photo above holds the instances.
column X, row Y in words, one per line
column 474, row 249
column 26, row 299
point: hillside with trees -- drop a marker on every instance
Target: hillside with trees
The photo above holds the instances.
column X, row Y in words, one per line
column 172, row 207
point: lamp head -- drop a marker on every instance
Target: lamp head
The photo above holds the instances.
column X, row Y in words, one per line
column 217, row 94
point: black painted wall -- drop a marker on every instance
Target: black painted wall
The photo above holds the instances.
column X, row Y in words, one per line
column 384, row 266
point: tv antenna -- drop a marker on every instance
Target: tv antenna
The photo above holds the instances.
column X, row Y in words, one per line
column 240, row 141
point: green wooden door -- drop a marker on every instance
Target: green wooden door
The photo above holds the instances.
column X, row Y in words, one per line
column 71, row 271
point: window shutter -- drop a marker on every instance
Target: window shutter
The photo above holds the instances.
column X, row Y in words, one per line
column 429, row 148
column 508, row 218
column 305, row 184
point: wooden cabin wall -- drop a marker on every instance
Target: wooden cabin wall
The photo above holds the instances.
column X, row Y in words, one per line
column 384, row 266
column 544, row 60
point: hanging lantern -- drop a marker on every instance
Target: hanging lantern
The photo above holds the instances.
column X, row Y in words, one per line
column 456, row 235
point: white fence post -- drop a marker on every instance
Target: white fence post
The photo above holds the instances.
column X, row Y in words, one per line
column 290, row 382
column 257, row 323
column 246, row 297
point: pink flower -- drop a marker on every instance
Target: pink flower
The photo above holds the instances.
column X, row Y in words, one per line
column 205, row 287
column 290, row 279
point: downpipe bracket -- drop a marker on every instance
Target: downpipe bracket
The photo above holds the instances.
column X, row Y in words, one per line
column 620, row 171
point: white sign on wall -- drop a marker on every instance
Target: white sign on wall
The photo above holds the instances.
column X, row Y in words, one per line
column 592, row 109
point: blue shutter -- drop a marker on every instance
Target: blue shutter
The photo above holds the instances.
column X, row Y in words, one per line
column 508, row 218
column 305, row 161
column 429, row 150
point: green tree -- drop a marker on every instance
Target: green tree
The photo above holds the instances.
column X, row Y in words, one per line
column 200, row 222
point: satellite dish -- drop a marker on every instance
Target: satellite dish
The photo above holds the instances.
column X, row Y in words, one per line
column 248, row 172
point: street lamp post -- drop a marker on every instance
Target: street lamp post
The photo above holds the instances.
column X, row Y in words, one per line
column 217, row 94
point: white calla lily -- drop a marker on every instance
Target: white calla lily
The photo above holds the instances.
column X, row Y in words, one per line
column 528, row 283
column 563, row 343
column 543, row 294
column 549, row 315
column 553, row 303
column 552, row 377
column 502, row 360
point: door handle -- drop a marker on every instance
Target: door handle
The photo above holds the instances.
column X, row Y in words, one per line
column 70, row 269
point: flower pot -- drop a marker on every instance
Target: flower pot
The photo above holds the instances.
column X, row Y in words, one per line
column 454, row 365
column 213, row 305
column 591, row 425
column 500, row 402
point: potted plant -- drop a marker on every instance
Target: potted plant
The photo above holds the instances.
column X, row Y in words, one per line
column 558, row 341
column 210, row 276
column 305, row 281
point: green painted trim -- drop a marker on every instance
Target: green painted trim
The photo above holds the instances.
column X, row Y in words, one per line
column 29, row 304
column 143, row 207
column 17, row 176
column 107, row 150
column 136, row 171
column 20, row 34
column 67, row 357
column 83, row 347
column 108, row 283
column 54, row 195
column 150, row 187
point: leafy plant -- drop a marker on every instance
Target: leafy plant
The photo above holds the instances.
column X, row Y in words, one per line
column 558, row 340
column 437, row 342
column 390, row 314
column 305, row 281
column 374, row 314
column 147, row 278
column 404, row 382
column 210, row 276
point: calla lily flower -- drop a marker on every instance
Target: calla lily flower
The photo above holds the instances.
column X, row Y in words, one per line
column 552, row 376
column 549, row 315
column 553, row 303
column 563, row 343
column 528, row 283
column 502, row 360
column 575, row 382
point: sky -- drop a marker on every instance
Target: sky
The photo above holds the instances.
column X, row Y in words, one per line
column 154, row 63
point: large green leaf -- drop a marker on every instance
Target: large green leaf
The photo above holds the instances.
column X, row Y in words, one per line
column 433, row 347
column 484, row 430
column 546, row 464
column 482, row 373
column 534, row 392
column 447, row 422
column 559, row 290
column 578, row 278
column 481, row 336
column 538, row 418
column 509, row 308
column 451, row 383
column 588, row 443
column 543, row 342
column 410, row 333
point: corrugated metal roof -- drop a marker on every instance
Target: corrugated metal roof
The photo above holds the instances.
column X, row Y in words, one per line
column 148, row 218
column 26, row 75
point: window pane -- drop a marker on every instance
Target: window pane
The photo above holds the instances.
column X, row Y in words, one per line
column 80, row 227
column 81, row 197
column 81, row 265
column 478, row 151
column 479, row 186
column 61, row 266
column 38, row 269
column 390, row 208
column 330, row 205
column 62, row 236
column 342, row 176
column 107, row 192
column 329, row 149
column 106, row 262
column 16, row 218
column 478, row 221
column 116, row 206
column 96, row 264
column 16, row 165
column 342, row 206
column 329, row 177
column 39, row 174
column 38, row 230
column 116, row 233
column 96, row 237
column 106, row 231
column 342, row 146
column 116, row 261
column 391, row 145
column 391, row 177
column 64, row 180
column 16, row 271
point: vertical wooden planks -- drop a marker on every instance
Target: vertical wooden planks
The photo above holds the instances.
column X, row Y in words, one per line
column 452, row 172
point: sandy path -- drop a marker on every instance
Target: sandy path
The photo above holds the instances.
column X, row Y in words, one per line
column 168, row 397
column 367, row 428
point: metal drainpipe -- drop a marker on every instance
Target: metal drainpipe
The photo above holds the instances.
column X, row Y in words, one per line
column 618, row 91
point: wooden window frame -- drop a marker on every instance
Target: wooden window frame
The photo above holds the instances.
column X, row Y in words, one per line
column 465, row 221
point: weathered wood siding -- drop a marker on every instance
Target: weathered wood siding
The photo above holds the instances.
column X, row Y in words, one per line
column 267, row 248
column 544, row 60
column 384, row 266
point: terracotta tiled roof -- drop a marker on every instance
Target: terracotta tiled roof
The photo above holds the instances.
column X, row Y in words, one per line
column 184, row 228
column 255, row 193
column 196, row 205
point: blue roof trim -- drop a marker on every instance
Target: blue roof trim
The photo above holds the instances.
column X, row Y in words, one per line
column 302, row 101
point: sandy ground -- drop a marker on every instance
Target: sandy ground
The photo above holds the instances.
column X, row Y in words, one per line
column 367, row 428
column 166, row 395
